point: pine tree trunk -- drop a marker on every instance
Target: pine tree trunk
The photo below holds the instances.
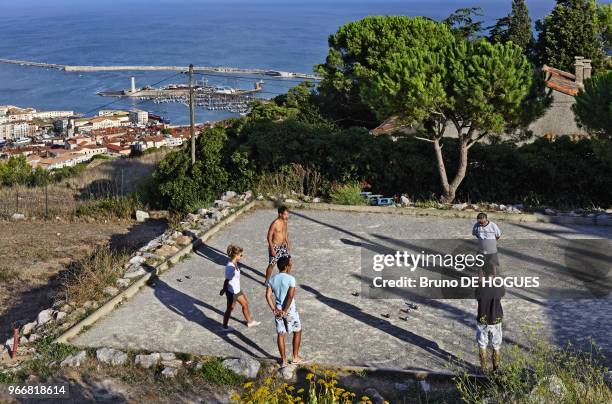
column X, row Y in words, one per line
column 442, row 171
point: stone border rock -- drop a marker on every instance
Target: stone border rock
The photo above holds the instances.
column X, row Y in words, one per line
column 596, row 220
column 133, row 289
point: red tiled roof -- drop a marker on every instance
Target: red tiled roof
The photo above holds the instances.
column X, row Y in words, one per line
column 561, row 81
column 391, row 124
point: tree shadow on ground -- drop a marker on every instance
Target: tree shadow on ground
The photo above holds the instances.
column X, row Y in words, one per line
column 26, row 306
column 190, row 309
column 356, row 313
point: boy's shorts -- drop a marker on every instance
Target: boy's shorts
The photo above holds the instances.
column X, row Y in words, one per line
column 279, row 251
column 482, row 335
column 288, row 324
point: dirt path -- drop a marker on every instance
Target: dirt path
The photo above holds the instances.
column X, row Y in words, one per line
column 34, row 254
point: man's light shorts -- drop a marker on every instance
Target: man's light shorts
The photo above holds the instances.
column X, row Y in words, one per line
column 482, row 335
column 288, row 324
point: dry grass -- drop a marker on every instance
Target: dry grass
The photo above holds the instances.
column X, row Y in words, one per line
column 86, row 279
column 291, row 178
column 101, row 179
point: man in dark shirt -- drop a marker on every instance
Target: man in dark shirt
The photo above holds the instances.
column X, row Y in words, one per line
column 489, row 319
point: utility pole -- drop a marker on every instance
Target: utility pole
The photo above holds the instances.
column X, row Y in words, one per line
column 192, row 115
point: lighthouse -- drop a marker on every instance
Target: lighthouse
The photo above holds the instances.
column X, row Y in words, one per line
column 133, row 90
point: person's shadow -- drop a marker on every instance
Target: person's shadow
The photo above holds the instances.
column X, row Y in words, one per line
column 190, row 309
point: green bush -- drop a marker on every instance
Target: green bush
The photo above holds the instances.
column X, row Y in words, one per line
column 214, row 372
column 541, row 373
column 121, row 208
column 348, row 195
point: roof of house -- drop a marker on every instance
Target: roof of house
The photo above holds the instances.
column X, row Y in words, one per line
column 391, row 124
column 153, row 138
column 117, row 148
column 561, row 81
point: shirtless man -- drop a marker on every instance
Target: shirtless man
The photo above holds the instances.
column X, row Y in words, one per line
column 278, row 240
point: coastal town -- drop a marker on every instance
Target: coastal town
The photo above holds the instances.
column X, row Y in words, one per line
column 57, row 139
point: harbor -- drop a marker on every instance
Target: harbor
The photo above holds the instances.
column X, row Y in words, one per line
column 214, row 98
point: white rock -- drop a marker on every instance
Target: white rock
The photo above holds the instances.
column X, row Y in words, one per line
column 9, row 343
column 134, row 272
column 494, row 206
column 221, row 204
column 512, row 209
column 316, row 200
column 260, row 197
column 502, row 207
column 146, row 361
column 405, row 200
column 228, row 195
column 44, row 316
column 123, row 282
column 18, row 216
column 424, row 385
column 246, row 196
column 167, row 356
column 90, row 304
column 288, row 372
column 34, row 337
column 111, row 356
column 202, row 212
column 289, row 200
column 138, row 259
column 549, row 211
column 169, row 372
column 60, row 315
column 27, row 328
column 141, row 216
column 23, row 340
column 110, row 291
column 175, row 363
column 460, row 206
column 244, row 366
column 74, row 360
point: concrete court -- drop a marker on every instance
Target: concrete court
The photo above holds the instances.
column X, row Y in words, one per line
column 182, row 311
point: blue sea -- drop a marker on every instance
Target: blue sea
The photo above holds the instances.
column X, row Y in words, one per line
column 272, row 34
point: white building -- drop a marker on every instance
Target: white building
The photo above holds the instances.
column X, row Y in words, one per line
column 13, row 130
column 172, row 141
column 52, row 114
column 138, row 117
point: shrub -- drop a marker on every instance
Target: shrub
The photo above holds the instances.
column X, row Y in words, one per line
column 348, row 194
column 214, row 372
column 293, row 178
column 183, row 187
column 542, row 373
column 321, row 389
column 121, row 208
column 48, row 352
column 6, row 274
column 86, row 279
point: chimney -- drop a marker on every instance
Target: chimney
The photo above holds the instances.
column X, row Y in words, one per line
column 579, row 64
column 586, row 69
column 133, row 85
